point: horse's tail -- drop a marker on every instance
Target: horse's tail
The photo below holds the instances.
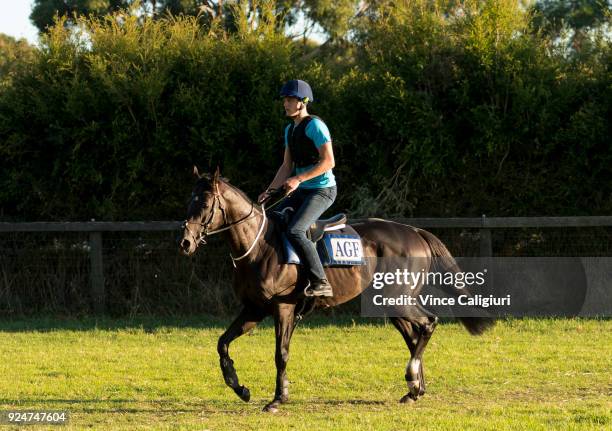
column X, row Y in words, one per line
column 445, row 261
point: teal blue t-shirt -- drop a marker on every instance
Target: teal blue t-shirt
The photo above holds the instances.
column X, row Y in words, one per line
column 319, row 133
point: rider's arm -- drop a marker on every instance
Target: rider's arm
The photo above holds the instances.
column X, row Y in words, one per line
column 283, row 172
column 326, row 162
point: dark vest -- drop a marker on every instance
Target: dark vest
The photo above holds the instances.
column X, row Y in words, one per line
column 303, row 149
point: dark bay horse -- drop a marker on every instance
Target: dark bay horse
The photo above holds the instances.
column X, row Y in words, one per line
column 266, row 286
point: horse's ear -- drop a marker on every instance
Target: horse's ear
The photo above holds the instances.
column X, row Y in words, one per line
column 195, row 172
column 216, row 176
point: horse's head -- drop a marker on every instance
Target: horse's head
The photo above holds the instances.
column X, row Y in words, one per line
column 205, row 212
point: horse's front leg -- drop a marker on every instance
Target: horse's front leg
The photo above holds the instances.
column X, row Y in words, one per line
column 284, row 323
column 246, row 320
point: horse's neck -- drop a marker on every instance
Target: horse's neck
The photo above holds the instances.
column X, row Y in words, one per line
column 242, row 235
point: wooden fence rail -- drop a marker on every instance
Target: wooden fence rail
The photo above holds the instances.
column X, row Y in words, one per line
column 97, row 228
column 474, row 223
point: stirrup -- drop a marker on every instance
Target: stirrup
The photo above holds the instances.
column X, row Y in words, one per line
column 321, row 290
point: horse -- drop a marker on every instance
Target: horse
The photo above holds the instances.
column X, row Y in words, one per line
column 267, row 286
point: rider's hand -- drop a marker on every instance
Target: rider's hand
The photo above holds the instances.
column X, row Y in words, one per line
column 291, row 184
column 262, row 197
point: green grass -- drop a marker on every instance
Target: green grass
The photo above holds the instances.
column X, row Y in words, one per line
column 524, row 374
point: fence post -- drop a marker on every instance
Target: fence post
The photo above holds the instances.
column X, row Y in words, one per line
column 97, row 272
column 486, row 246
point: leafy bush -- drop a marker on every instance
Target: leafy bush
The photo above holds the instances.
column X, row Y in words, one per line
column 438, row 108
column 464, row 110
column 107, row 123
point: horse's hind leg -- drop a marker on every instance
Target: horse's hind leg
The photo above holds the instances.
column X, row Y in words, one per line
column 416, row 332
column 414, row 370
column 246, row 320
column 410, row 333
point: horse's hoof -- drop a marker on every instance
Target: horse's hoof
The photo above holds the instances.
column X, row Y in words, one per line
column 244, row 393
column 271, row 407
column 407, row 399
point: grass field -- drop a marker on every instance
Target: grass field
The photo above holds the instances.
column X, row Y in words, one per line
column 346, row 375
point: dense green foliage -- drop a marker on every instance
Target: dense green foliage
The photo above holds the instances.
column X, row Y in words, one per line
column 573, row 19
column 434, row 110
column 476, row 114
column 332, row 16
column 13, row 54
column 44, row 12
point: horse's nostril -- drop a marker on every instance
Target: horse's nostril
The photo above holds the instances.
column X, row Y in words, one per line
column 185, row 244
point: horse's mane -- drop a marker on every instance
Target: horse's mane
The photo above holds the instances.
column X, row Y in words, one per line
column 206, row 179
column 237, row 190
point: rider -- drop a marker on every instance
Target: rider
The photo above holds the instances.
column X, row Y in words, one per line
column 306, row 171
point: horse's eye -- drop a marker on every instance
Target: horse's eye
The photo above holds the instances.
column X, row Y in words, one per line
column 196, row 198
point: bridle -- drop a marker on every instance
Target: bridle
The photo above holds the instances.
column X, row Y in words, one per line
column 201, row 238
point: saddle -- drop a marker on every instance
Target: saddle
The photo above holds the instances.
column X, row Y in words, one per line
column 338, row 244
column 318, row 228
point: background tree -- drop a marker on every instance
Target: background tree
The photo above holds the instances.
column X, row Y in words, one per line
column 44, row 11
column 12, row 53
column 334, row 16
column 579, row 16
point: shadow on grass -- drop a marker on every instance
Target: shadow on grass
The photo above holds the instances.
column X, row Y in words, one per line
column 122, row 405
column 115, row 406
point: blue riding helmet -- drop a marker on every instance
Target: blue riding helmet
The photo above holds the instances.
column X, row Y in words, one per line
column 297, row 88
